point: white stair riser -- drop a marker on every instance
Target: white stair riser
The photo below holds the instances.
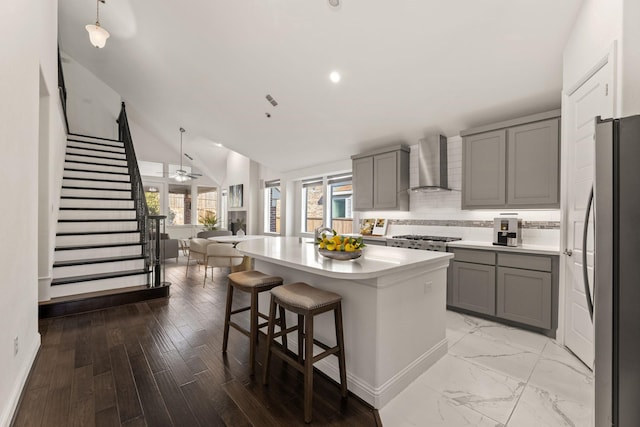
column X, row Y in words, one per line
column 95, row 168
column 98, row 285
column 87, row 203
column 95, row 175
column 111, row 194
column 88, row 146
column 103, row 267
column 85, row 152
column 79, row 227
column 96, row 184
column 97, row 253
column 82, row 214
column 73, row 138
column 96, row 160
column 97, row 239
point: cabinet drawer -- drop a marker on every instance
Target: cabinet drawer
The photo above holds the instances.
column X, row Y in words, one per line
column 528, row 262
column 477, row 257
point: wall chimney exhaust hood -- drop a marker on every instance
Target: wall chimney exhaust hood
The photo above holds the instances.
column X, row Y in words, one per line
column 432, row 164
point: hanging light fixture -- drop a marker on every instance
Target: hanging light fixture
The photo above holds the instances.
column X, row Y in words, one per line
column 97, row 34
column 181, row 175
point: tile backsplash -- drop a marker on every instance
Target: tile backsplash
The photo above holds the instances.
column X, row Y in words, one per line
column 439, row 212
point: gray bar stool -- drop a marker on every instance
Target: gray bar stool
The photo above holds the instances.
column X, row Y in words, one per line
column 253, row 282
column 307, row 302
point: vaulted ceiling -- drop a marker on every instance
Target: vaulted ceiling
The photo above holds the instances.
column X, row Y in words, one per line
column 409, row 68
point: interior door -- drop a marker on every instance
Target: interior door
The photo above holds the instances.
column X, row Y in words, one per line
column 593, row 98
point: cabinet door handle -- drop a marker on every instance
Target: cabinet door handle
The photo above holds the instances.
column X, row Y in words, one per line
column 568, row 252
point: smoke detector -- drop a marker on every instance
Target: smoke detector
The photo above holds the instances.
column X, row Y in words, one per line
column 335, row 4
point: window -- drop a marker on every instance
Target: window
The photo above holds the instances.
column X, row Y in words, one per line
column 339, row 191
column 207, row 203
column 272, row 203
column 150, row 168
column 152, row 194
column 312, row 204
column 179, row 205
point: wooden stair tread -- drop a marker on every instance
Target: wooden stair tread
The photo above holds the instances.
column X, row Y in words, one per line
column 98, row 276
column 75, row 187
column 98, row 220
column 82, row 233
column 94, row 137
column 97, row 260
column 96, row 246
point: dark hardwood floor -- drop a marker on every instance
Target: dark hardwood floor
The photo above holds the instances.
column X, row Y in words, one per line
column 159, row 363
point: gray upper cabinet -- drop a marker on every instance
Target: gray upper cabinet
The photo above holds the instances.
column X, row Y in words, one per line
column 512, row 164
column 483, row 157
column 363, row 183
column 533, row 164
column 381, row 179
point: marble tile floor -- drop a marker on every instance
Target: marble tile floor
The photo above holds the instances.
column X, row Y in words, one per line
column 495, row 375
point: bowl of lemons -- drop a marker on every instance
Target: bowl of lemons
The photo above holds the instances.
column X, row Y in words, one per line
column 340, row 247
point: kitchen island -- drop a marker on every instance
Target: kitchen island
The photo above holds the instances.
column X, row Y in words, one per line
column 394, row 303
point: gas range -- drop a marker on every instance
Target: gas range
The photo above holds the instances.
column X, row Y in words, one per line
column 415, row 241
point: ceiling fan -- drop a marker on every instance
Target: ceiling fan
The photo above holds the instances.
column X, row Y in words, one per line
column 182, row 175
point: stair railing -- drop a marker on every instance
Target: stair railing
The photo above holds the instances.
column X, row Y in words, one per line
column 62, row 90
column 137, row 189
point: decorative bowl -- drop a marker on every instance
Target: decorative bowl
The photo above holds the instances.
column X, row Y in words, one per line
column 340, row 255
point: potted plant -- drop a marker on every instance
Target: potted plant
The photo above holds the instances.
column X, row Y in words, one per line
column 209, row 220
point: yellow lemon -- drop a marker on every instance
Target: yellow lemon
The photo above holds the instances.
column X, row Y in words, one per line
column 322, row 245
column 336, row 240
column 349, row 247
column 331, row 247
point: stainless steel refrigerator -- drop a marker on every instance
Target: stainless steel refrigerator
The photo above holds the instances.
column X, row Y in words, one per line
column 616, row 301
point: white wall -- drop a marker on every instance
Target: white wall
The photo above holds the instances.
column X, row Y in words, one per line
column 597, row 26
column 23, row 55
column 92, row 106
column 242, row 170
column 631, row 59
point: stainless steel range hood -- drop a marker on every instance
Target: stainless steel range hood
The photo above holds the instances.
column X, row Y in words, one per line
column 432, row 164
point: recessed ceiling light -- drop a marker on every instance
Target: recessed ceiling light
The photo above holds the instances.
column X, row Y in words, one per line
column 334, row 3
column 335, row 76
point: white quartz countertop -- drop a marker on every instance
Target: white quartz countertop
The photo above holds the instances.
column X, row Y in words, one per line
column 525, row 249
column 376, row 261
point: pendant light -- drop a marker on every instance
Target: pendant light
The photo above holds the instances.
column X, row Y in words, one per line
column 97, row 34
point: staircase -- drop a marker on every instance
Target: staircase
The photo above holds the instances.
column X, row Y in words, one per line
column 99, row 244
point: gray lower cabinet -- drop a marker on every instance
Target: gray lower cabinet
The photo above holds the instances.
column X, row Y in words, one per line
column 514, row 286
column 474, row 287
column 524, row 296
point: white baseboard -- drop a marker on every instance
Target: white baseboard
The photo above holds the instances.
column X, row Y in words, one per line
column 383, row 394
column 9, row 410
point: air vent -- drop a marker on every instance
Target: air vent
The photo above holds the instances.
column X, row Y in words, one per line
column 271, row 100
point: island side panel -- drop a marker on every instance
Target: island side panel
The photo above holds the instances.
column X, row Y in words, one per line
column 411, row 329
